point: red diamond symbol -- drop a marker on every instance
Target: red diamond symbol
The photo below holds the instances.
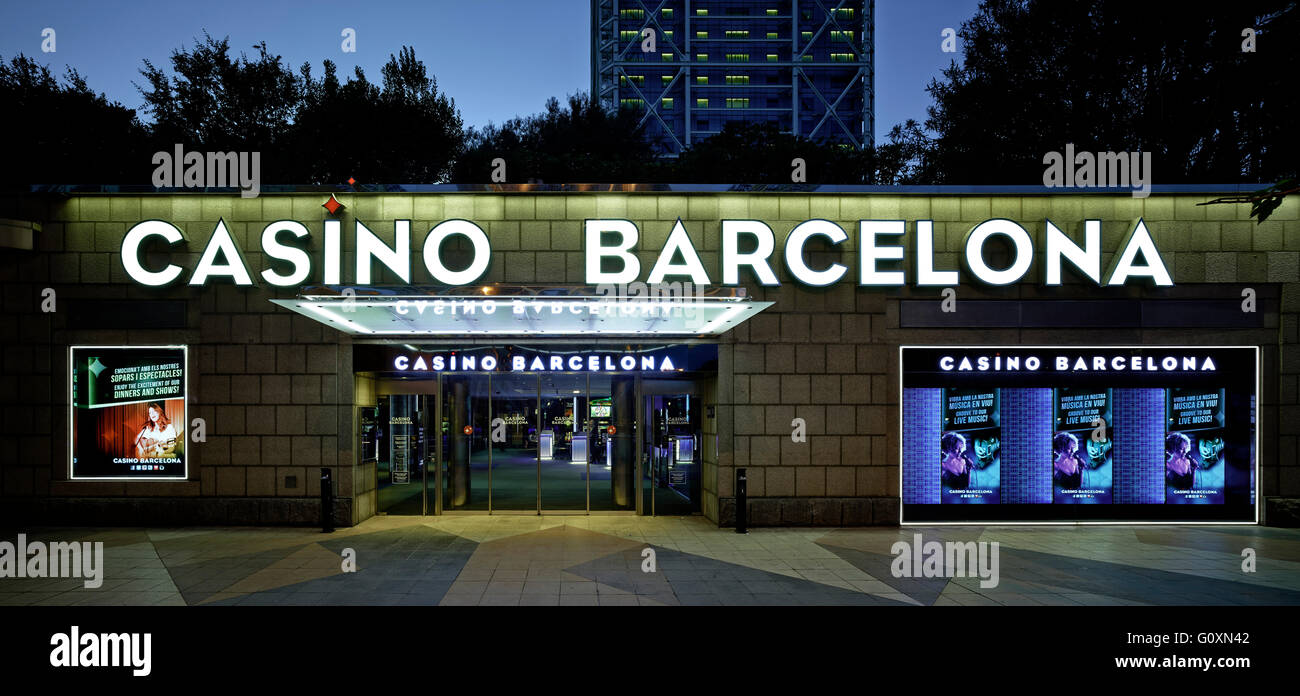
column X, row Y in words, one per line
column 332, row 205
column 351, row 181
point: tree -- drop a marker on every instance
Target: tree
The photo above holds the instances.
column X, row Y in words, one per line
column 1122, row 76
column 404, row 131
column 759, row 153
column 578, row 142
column 218, row 103
column 64, row 133
column 309, row 131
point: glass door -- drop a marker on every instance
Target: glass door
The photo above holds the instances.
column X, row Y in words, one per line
column 398, row 445
column 602, row 433
column 517, row 440
column 463, row 433
column 550, row 442
column 671, row 468
column 566, row 464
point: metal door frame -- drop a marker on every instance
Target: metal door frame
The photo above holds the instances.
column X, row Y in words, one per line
column 437, row 506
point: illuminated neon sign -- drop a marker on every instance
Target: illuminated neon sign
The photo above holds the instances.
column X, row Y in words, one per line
column 576, row 362
column 614, row 243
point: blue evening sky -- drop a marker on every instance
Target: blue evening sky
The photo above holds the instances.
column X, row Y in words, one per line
column 496, row 58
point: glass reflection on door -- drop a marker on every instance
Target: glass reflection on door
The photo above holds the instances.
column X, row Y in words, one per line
column 515, row 442
column 565, row 442
column 398, row 442
column 464, row 431
column 612, row 444
column 671, row 474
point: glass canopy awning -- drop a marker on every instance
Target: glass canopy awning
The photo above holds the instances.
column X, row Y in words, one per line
column 499, row 310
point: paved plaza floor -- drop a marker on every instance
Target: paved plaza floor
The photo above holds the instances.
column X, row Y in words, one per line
column 599, row 560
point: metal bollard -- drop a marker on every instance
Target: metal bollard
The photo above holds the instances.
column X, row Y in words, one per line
column 742, row 502
column 326, row 500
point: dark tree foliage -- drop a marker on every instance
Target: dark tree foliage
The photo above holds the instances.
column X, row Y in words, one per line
column 581, row 143
column 906, row 157
column 578, row 142
column 215, row 102
column 1117, row 75
column 309, row 131
column 403, row 131
column 62, row 132
column 759, row 153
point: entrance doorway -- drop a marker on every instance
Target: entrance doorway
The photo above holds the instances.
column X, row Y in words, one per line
column 535, row 443
column 673, row 444
column 395, row 442
column 547, row 443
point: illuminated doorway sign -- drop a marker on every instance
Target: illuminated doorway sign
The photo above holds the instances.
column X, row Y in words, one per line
column 649, row 360
column 610, row 249
column 587, row 361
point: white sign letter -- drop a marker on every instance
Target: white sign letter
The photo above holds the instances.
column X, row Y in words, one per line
column 221, row 243
column 1087, row 259
column 1138, row 241
column 275, row 250
column 679, row 240
column 794, row 252
column 732, row 259
column 1024, row 251
column 596, row 252
column 869, row 253
column 433, row 260
column 397, row 260
column 131, row 252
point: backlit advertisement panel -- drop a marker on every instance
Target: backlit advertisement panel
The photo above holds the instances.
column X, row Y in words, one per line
column 1078, row 434
column 128, row 412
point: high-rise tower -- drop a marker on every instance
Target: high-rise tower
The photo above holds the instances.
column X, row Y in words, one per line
column 690, row 66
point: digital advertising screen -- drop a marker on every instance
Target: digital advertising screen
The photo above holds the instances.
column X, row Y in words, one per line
column 1078, row 434
column 128, row 412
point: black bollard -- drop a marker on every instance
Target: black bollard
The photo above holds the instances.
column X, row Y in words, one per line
column 742, row 502
column 326, row 500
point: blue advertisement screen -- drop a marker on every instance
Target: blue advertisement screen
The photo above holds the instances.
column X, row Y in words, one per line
column 1060, row 434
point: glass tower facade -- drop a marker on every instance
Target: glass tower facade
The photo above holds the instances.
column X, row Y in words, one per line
column 690, row 66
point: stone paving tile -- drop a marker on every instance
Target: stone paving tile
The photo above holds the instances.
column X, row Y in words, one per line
column 597, row 560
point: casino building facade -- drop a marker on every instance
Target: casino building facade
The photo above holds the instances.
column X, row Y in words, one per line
column 570, row 360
